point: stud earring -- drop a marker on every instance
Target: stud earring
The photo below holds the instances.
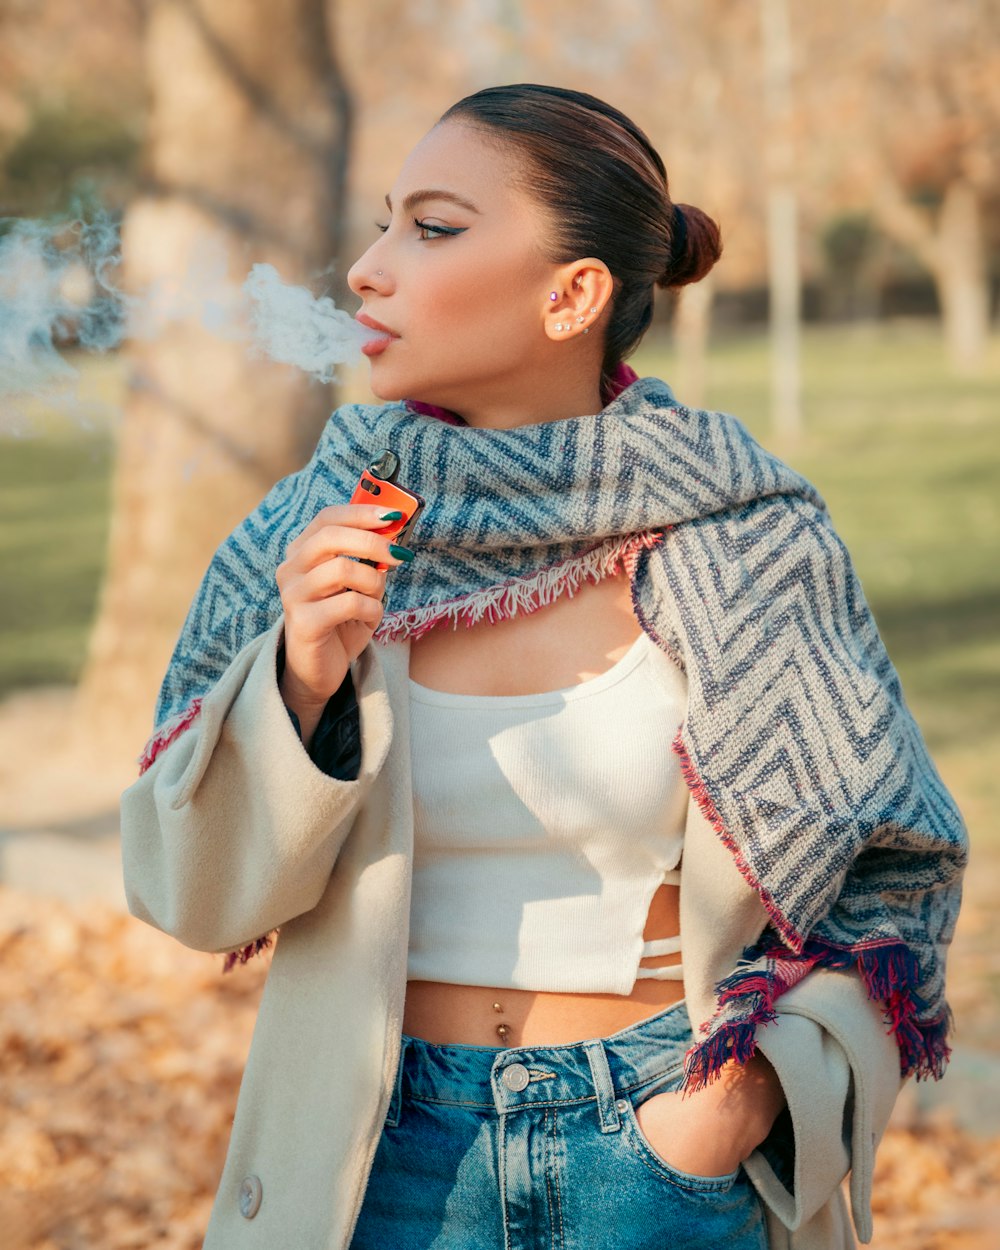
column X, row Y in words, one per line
column 553, row 295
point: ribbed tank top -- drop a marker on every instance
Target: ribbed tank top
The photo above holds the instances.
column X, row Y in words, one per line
column 544, row 824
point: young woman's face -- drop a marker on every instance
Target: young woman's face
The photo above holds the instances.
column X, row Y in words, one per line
column 466, row 291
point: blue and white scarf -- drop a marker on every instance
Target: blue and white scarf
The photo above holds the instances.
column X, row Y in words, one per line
column 797, row 743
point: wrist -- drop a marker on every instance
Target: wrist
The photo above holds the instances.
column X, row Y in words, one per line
column 305, row 713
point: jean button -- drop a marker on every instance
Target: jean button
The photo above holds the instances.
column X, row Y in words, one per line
column 515, row 1076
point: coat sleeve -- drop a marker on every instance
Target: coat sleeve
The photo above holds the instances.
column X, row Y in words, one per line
column 233, row 830
column 839, row 1067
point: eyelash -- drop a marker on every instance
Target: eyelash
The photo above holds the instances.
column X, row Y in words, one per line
column 438, row 230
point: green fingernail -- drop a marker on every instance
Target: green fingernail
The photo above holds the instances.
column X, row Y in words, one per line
column 401, row 553
column 391, row 516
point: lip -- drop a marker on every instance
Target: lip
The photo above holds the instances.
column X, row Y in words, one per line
column 372, row 324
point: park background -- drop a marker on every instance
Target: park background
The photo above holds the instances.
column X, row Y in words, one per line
column 850, row 154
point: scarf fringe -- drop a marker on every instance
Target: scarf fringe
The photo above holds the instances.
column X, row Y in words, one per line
column 524, row 594
column 168, row 732
column 247, row 952
column 890, row 972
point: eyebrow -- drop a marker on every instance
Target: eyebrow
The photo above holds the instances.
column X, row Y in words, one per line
column 417, row 197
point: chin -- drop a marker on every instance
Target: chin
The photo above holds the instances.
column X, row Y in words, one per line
column 383, row 389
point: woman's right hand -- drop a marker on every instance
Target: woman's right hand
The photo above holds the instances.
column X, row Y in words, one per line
column 332, row 604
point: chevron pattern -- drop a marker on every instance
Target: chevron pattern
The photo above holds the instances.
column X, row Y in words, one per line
column 797, row 743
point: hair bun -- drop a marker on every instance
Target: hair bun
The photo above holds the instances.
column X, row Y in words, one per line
column 696, row 245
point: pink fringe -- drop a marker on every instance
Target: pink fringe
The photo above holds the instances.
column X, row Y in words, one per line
column 523, row 595
column 890, row 973
column 168, row 733
column 709, row 811
column 252, row 948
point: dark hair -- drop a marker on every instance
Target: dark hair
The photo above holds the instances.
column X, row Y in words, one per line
column 606, row 190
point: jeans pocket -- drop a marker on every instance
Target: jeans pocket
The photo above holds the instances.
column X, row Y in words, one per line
column 641, row 1145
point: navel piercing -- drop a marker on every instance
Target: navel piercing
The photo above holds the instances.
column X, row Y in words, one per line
column 502, row 1029
column 378, row 274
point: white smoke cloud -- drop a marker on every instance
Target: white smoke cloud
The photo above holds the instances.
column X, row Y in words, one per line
column 57, row 287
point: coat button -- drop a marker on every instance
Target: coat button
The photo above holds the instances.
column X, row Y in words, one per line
column 515, row 1076
column 250, row 1195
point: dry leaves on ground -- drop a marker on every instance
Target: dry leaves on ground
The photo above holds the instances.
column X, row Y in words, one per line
column 120, row 1059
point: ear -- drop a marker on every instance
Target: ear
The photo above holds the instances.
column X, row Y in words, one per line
column 583, row 288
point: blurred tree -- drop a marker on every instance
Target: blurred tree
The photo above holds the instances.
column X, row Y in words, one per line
column 63, row 148
column 947, row 154
column 782, row 200
column 70, row 100
column 915, row 88
column 246, row 158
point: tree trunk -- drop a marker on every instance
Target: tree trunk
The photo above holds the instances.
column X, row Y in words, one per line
column 785, row 314
column 248, row 138
column 962, row 282
column 952, row 250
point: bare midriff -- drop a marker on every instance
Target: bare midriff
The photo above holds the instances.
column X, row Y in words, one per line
column 468, row 1014
column 569, row 641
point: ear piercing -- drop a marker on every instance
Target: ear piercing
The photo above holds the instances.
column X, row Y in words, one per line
column 568, row 325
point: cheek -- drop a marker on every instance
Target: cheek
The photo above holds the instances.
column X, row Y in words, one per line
column 489, row 309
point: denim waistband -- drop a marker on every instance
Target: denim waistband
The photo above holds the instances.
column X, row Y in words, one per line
column 517, row 1076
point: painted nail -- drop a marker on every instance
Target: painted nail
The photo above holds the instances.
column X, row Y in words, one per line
column 391, row 516
column 401, row 553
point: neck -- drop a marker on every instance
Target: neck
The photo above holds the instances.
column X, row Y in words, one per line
column 570, row 401
column 544, row 404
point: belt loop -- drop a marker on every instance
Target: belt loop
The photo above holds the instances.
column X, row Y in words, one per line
column 603, row 1085
column 396, row 1101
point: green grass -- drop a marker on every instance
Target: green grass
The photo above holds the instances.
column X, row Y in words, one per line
column 55, row 476
column 907, row 458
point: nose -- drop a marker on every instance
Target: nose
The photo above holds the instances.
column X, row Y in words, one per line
column 366, row 274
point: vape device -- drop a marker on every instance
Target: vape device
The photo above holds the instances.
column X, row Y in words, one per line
column 378, row 485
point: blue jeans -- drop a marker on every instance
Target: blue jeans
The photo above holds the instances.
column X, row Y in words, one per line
column 538, row 1148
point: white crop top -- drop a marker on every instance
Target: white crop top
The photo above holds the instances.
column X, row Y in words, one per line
column 544, row 824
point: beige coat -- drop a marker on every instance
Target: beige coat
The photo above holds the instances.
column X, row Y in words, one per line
column 233, row 831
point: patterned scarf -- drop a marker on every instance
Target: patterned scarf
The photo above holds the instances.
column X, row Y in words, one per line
column 797, row 743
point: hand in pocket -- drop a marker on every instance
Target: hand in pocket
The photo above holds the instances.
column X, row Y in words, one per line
column 711, row 1132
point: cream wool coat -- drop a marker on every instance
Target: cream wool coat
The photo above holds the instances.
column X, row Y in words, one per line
column 233, row 831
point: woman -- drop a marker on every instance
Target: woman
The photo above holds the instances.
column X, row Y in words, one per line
column 531, row 987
